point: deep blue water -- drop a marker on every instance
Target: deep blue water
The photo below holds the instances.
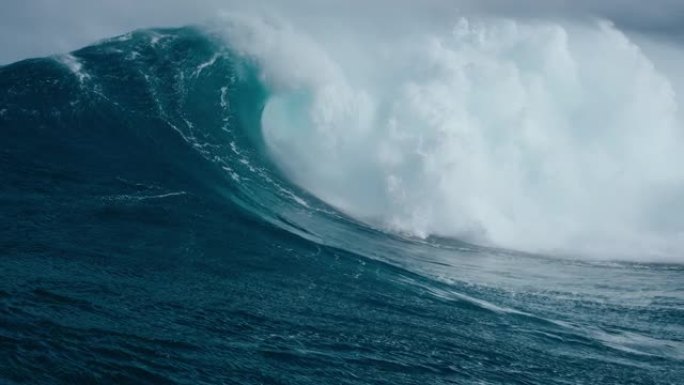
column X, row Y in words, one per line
column 146, row 238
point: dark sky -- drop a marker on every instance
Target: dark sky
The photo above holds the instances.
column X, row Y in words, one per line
column 40, row 27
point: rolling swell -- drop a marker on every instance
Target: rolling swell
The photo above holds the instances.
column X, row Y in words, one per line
column 147, row 238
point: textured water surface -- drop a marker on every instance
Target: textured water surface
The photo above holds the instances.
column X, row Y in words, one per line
column 147, row 238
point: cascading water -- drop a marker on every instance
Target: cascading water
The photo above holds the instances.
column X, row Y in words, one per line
column 537, row 136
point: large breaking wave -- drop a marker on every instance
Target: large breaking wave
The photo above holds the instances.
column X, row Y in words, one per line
column 540, row 136
column 548, row 137
column 151, row 231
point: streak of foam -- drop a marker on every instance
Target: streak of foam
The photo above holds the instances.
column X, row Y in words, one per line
column 75, row 66
column 639, row 344
column 205, row 65
column 128, row 197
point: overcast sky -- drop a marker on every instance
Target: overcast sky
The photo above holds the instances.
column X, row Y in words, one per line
column 31, row 28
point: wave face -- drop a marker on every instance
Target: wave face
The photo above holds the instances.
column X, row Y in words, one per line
column 211, row 206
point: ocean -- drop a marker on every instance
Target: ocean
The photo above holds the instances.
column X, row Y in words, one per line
column 158, row 227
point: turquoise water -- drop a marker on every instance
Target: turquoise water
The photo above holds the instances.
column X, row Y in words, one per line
column 148, row 238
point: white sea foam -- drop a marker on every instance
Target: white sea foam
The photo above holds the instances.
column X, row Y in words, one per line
column 75, row 66
column 540, row 136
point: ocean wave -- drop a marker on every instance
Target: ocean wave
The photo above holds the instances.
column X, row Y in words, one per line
column 550, row 137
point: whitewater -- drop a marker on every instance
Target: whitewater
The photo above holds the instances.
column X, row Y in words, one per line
column 406, row 196
column 535, row 136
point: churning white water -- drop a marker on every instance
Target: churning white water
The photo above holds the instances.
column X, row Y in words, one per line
column 534, row 135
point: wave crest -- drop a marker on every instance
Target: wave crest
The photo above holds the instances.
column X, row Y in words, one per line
column 531, row 135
